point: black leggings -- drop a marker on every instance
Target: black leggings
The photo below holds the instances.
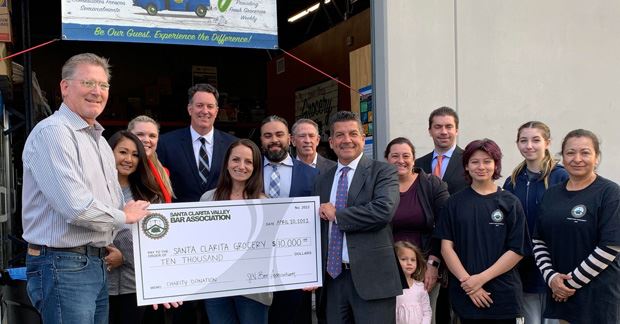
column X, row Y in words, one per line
column 124, row 309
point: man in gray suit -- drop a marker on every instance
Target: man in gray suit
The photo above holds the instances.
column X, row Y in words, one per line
column 358, row 200
column 306, row 139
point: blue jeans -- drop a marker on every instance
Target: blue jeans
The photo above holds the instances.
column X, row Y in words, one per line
column 236, row 310
column 533, row 307
column 67, row 287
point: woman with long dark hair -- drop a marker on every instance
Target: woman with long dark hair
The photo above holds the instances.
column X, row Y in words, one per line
column 241, row 178
column 137, row 183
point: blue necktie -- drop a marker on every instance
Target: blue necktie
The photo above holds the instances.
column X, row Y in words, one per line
column 274, row 183
column 334, row 253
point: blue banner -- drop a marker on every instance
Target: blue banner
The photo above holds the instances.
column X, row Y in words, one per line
column 226, row 23
column 105, row 33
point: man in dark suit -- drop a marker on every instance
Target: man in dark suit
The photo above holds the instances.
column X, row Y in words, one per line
column 193, row 155
column 446, row 162
column 306, row 139
column 358, row 200
column 180, row 150
column 285, row 177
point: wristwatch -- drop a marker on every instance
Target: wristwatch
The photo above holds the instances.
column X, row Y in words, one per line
column 433, row 263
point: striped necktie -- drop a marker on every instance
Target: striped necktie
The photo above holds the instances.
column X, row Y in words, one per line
column 203, row 161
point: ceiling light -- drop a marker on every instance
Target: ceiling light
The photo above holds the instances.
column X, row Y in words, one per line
column 305, row 12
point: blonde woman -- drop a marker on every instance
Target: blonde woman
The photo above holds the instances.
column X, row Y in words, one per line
column 147, row 130
column 530, row 179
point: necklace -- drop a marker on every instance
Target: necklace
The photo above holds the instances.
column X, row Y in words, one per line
column 236, row 196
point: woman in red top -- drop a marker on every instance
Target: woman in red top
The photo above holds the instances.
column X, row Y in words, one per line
column 147, row 130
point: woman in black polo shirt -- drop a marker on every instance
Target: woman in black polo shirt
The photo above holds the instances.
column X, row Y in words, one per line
column 577, row 240
column 484, row 235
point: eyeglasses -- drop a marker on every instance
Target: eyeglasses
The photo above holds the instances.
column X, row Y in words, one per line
column 91, row 84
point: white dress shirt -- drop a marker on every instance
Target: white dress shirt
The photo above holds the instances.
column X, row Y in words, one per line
column 196, row 145
column 285, row 169
column 332, row 199
column 313, row 164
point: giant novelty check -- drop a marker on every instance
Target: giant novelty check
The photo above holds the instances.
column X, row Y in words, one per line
column 188, row 251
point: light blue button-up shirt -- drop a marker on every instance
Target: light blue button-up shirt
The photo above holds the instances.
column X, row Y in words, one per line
column 444, row 162
column 71, row 195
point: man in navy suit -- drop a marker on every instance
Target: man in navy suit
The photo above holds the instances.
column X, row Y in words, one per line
column 285, row 177
column 193, row 155
column 179, row 150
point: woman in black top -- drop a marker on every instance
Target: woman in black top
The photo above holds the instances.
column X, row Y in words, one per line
column 576, row 240
column 484, row 235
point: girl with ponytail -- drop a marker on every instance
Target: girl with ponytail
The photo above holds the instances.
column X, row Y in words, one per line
column 529, row 181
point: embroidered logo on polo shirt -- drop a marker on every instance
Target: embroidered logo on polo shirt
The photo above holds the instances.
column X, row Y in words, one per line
column 578, row 211
column 155, row 226
column 497, row 216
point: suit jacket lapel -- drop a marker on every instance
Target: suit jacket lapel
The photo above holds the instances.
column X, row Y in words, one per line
column 426, row 162
column 319, row 161
column 328, row 180
column 291, row 190
column 358, row 179
column 218, row 150
column 452, row 164
column 188, row 149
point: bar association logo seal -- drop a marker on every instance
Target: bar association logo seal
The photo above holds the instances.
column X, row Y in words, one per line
column 155, row 226
column 497, row 216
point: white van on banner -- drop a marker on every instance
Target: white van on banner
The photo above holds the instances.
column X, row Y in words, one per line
column 227, row 23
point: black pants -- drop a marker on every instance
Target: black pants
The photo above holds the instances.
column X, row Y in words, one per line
column 291, row 307
column 124, row 309
column 191, row 312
